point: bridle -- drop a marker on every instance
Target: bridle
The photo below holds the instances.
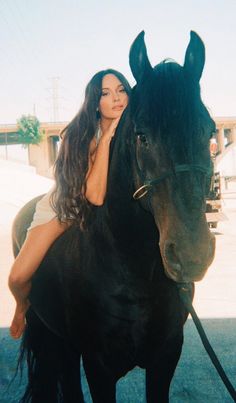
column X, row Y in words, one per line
column 149, row 183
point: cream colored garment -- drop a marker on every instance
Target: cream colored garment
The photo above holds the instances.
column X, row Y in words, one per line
column 44, row 211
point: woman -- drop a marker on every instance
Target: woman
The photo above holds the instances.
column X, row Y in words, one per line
column 81, row 181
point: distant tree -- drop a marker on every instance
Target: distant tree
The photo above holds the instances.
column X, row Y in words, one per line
column 29, row 130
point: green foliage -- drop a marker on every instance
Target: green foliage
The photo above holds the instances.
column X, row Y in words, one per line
column 29, row 130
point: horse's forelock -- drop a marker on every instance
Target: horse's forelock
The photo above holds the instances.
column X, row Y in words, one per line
column 169, row 103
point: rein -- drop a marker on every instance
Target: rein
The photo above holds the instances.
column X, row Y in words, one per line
column 184, row 292
column 149, row 183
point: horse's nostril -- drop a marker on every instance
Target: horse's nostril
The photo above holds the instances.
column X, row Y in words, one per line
column 170, row 253
column 171, row 257
column 171, row 262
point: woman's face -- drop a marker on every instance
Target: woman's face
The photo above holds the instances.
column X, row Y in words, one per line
column 114, row 98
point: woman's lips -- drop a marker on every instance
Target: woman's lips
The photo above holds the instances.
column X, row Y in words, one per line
column 117, row 108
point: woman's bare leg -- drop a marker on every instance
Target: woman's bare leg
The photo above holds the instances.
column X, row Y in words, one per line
column 35, row 247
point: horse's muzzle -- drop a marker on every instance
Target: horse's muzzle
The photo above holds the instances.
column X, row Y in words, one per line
column 187, row 266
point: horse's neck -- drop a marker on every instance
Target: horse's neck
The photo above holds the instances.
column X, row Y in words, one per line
column 130, row 225
column 119, row 187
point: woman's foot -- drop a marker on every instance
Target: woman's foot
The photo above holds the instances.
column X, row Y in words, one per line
column 18, row 323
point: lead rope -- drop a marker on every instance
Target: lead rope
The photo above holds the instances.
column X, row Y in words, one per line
column 184, row 292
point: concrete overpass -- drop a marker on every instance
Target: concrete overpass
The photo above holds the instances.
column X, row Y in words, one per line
column 225, row 158
column 41, row 156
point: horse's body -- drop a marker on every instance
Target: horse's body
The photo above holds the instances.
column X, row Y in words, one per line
column 109, row 293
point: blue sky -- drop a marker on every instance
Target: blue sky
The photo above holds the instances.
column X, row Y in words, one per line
column 72, row 39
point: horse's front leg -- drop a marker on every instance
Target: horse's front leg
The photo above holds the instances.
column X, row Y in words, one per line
column 159, row 376
column 102, row 383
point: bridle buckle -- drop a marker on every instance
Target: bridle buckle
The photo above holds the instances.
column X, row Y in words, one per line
column 142, row 191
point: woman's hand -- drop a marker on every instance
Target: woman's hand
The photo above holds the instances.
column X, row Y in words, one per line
column 109, row 132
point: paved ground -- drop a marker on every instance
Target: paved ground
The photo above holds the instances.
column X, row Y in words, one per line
column 215, row 302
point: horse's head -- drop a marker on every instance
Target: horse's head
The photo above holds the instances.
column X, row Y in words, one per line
column 172, row 161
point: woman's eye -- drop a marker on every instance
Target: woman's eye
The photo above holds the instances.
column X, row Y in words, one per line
column 122, row 90
column 105, row 93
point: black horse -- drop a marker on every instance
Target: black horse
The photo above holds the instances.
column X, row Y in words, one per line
column 110, row 294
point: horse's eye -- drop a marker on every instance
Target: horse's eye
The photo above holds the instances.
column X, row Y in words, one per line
column 143, row 139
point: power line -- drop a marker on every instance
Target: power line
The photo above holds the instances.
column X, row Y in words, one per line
column 23, row 35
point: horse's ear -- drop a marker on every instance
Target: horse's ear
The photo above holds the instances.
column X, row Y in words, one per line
column 195, row 56
column 138, row 59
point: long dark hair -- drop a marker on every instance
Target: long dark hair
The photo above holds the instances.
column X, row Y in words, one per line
column 71, row 166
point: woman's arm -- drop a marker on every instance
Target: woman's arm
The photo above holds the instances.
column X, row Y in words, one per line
column 96, row 178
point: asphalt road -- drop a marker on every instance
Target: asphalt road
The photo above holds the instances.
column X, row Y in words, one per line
column 195, row 378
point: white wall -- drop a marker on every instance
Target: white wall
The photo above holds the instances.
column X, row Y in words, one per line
column 14, row 152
